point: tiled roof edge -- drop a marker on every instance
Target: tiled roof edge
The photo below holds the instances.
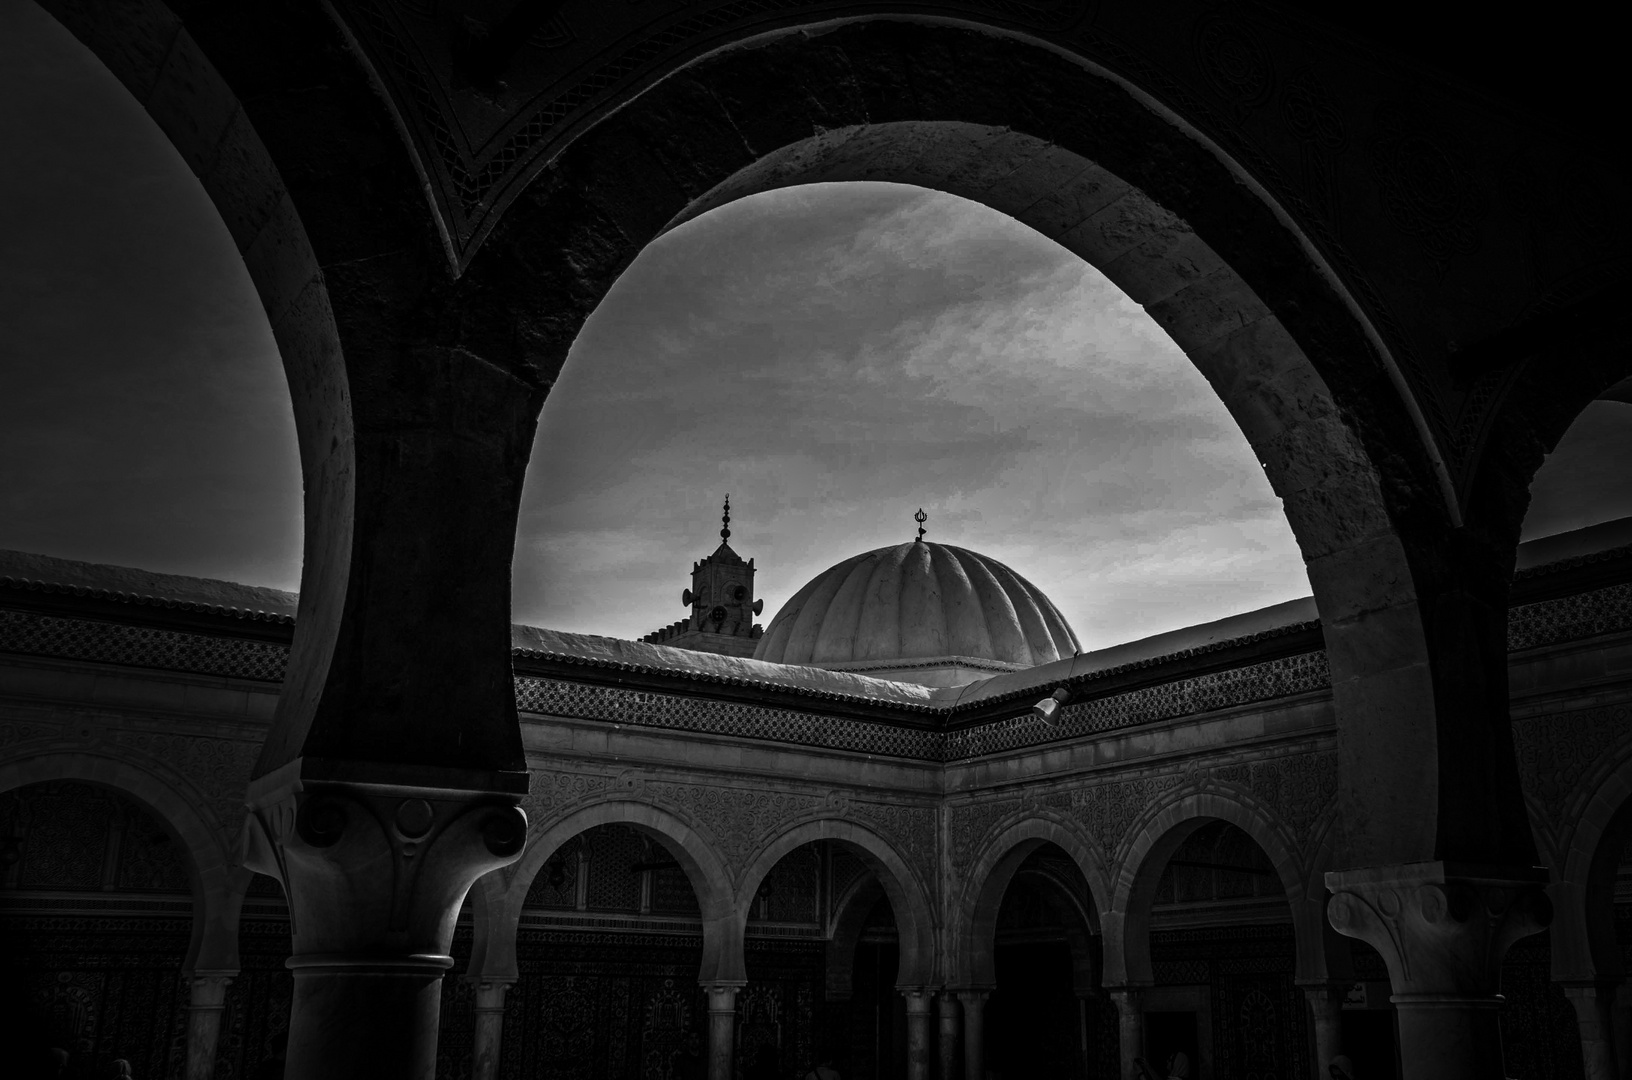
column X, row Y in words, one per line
column 147, row 600
column 1289, row 630
column 727, row 680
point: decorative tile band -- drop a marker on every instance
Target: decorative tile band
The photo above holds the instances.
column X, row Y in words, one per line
column 1570, row 618
column 1245, row 685
column 554, row 697
column 138, row 646
column 1548, row 622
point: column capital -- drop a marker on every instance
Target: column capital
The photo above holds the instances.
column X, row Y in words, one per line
column 1442, row 928
column 972, row 995
column 376, row 870
column 208, row 989
column 722, row 995
column 920, row 999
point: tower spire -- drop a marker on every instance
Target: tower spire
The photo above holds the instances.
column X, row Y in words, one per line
column 725, row 532
column 920, row 517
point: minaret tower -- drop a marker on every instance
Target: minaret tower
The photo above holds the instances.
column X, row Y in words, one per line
column 721, row 599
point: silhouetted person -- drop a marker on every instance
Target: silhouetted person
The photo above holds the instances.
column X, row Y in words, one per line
column 121, row 1070
column 1341, row 1068
column 824, row 1071
column 1178, row 1066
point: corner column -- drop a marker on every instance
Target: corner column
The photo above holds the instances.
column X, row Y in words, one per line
column 974, row 1033
column 920, row 1003
column 947, row 1010
column 489, row 1025
column 722, row 1027
column 1594, row 1014
column 1326, row 1010
column 206, row 1002
column 1130, row 1024
column 1443, row 929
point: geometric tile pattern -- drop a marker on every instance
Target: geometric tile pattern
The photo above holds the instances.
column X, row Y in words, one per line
column 1570, row 618
column 557, row 697
column 1547, row 622
column 137, row 646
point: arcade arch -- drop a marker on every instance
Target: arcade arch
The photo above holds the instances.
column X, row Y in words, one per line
column 75, row 823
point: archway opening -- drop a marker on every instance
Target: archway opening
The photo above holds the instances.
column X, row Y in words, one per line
column 608, row 950
column 823, row 955
column 96, row 917
column 1047, row 1015
column 1223, row 958
column 836, row 355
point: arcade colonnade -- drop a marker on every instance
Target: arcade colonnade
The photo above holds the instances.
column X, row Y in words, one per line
column 170, row 701
column 430, row 219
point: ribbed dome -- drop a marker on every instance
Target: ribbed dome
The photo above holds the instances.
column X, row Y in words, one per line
column 917, row 601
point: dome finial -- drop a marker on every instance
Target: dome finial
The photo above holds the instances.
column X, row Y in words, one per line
column 920, row 517
column 725, row 518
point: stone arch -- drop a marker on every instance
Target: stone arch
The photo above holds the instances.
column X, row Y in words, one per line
column 147, row 47
column 988, row 878
column 218, row 884
column 1584, row 941
column 1156, row 206
column 909, row 898
column 497, row 897
column 1145, row 855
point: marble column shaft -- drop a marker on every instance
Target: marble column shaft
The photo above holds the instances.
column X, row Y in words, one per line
column 722, row 1028
column 950, row 1024
column 489, row 1026
column 1594, row 1013
column 207, row 1001
column 1130, row 1024
column 974, row 1033
column 1326, row 1010
column 920, row 1005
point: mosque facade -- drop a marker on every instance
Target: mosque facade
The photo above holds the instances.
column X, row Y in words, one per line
column 869, row 845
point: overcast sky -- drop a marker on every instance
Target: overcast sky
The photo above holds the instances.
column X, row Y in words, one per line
column 834, row 357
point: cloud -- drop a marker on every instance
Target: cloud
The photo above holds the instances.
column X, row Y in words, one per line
column 838, row 355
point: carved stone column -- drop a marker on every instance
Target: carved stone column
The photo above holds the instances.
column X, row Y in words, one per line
column 1326, row 1010
column 207, row 1000
column 974, row 1033
column 489, row 1026
column 946, row 1008
column 1442, row 929
column 722, row 1027
column 1594, row 1014
column 1130, row 1024
column 920, row 1002
column 375, row 874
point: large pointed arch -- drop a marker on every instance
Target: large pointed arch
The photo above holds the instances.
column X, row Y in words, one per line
column 1172, row 220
